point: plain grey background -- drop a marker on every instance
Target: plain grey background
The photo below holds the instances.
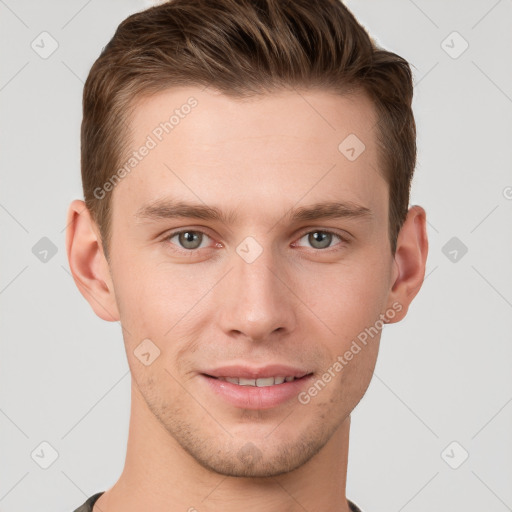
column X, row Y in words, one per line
column 433, row 432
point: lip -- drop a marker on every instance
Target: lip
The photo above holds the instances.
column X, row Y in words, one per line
column 253, row 397
column 247, row 372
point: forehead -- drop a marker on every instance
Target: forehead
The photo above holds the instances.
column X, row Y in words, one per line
column 259, row 155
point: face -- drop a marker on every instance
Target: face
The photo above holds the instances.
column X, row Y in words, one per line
column 281, row 267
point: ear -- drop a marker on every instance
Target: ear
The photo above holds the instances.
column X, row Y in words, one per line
column 87, row 263
column 409, row 262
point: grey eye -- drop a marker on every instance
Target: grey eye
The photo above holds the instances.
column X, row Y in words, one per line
column 190, row 239
column 322, row 239
column 319, row 239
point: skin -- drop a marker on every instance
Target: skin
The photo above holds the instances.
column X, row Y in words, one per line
column 297, row 304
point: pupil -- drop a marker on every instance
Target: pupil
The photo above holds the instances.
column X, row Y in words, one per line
column 320, row 238
column 188, row 240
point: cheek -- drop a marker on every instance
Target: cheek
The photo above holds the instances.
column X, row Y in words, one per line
column 161, row 303
column 347, row 298
column 143, row 291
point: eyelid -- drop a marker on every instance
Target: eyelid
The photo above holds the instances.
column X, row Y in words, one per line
column 345, row 238
column 172, row 234
column 343, row 235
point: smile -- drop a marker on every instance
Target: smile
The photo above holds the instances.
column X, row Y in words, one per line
column 249, row 392
column 260, row 383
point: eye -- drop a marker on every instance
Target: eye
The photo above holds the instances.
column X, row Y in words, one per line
column 321, row 239
column 187, row 239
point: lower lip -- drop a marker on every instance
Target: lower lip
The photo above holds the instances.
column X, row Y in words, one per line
column 253, row 397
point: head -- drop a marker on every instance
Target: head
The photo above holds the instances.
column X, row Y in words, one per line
column 242, row 49
column 264, row 114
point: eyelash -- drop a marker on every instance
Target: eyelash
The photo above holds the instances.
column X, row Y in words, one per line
column 193, row 251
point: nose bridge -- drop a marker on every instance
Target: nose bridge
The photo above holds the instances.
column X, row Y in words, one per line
column 255, row 301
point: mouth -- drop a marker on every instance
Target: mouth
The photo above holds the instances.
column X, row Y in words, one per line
column 256, row 388
column 261, row 382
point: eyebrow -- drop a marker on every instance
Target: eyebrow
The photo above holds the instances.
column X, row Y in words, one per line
column 171, row 209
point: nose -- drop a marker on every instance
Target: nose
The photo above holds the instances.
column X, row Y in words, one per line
column 256, row 301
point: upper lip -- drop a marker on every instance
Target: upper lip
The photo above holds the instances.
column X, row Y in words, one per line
column 247, row 372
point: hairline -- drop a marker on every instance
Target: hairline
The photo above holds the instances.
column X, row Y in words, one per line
column 350, row 88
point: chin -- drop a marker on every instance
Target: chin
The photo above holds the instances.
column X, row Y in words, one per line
column 259, row 459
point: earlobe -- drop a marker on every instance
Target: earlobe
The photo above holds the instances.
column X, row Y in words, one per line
column 410, row 261
column 87, row 262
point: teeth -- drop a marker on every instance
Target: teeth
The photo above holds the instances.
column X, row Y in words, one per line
column 260, row 383
column 269, row 381
column 247, row 382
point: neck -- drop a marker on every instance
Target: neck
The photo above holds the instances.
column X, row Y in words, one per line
column 160, row 476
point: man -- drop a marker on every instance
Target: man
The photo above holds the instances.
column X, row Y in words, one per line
column 246, row 169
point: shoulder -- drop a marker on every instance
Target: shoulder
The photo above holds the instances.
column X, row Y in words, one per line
column 88, row 505
column 353, row 507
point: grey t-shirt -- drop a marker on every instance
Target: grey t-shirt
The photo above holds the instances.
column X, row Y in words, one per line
column 87, row 506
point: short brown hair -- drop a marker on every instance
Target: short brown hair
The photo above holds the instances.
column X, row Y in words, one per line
column 243, row 48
